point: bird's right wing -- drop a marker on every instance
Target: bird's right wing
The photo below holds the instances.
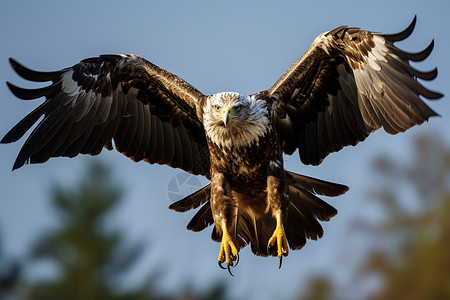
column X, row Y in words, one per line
column 349, row 83
column 149, row 113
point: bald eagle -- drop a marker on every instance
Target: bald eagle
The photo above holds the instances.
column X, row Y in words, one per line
column 349, row 83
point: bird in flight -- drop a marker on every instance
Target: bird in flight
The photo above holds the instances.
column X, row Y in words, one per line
column 349, row 83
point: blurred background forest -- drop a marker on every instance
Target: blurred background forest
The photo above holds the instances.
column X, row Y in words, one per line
column 90, row 257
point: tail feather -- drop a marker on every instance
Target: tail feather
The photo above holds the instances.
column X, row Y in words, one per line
column 304, row 201
column 202, row 219
column 316, row 186
column 301, row 220
column 241, row 228
column 265, row 226
column 193, row 200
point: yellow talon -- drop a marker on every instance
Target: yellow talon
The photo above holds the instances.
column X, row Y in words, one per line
column 279, row 237
column 228, row 251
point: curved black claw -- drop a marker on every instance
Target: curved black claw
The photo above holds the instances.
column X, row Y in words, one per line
column 229, row 270
column 220, row 265
column 281, row 259
column 235, row 258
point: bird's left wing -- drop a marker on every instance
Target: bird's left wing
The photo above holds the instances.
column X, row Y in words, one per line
column 349, row 83
column 149, row 113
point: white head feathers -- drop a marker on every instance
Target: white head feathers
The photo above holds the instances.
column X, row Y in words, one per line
column 250, row 119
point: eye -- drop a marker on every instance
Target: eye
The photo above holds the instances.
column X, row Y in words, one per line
column 217, row 107
column 238, row 108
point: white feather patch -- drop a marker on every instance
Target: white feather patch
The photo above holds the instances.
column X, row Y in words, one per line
column 241, row 131
column 69, row 86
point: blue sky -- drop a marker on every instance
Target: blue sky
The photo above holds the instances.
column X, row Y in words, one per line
column 215, row 46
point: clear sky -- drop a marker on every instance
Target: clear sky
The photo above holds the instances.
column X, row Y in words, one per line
column 216, row 46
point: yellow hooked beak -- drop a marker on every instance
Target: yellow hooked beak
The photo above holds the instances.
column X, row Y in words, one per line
column 227, row 115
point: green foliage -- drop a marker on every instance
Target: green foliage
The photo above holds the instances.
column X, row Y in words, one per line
column 90, row 252
column 91, row 257
column 418, row 267
column 9, row 274
column 320, row 287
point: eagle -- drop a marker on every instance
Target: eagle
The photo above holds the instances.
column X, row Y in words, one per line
column 349, row 83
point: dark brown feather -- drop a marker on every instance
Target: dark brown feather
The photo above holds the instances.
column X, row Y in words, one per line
column 314, row 185
column 202, row 219
column 193, row 200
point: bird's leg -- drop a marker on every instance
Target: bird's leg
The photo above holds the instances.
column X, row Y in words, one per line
column 228, row 251
column 221, row 206
column 279, row 237
column 277, row 201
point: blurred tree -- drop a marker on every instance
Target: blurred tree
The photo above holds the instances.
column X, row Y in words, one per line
column 91, row 256
column 9, row 275
column 215, row 292
column 320, row 287
column 416, row 200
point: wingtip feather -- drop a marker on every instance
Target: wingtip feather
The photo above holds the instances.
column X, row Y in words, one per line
column 33, row 75
column 30, row 94
column 422, row 55
column 13, row 62
column 14, row 89
column 426, row 75
column 400, row 36
column 18, row 163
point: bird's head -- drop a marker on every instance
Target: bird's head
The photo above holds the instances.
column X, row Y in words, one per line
column 234, row 119
column 228, row 107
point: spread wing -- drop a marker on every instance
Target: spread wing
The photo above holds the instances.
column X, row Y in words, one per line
column 148, row 113
column 349, row 83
